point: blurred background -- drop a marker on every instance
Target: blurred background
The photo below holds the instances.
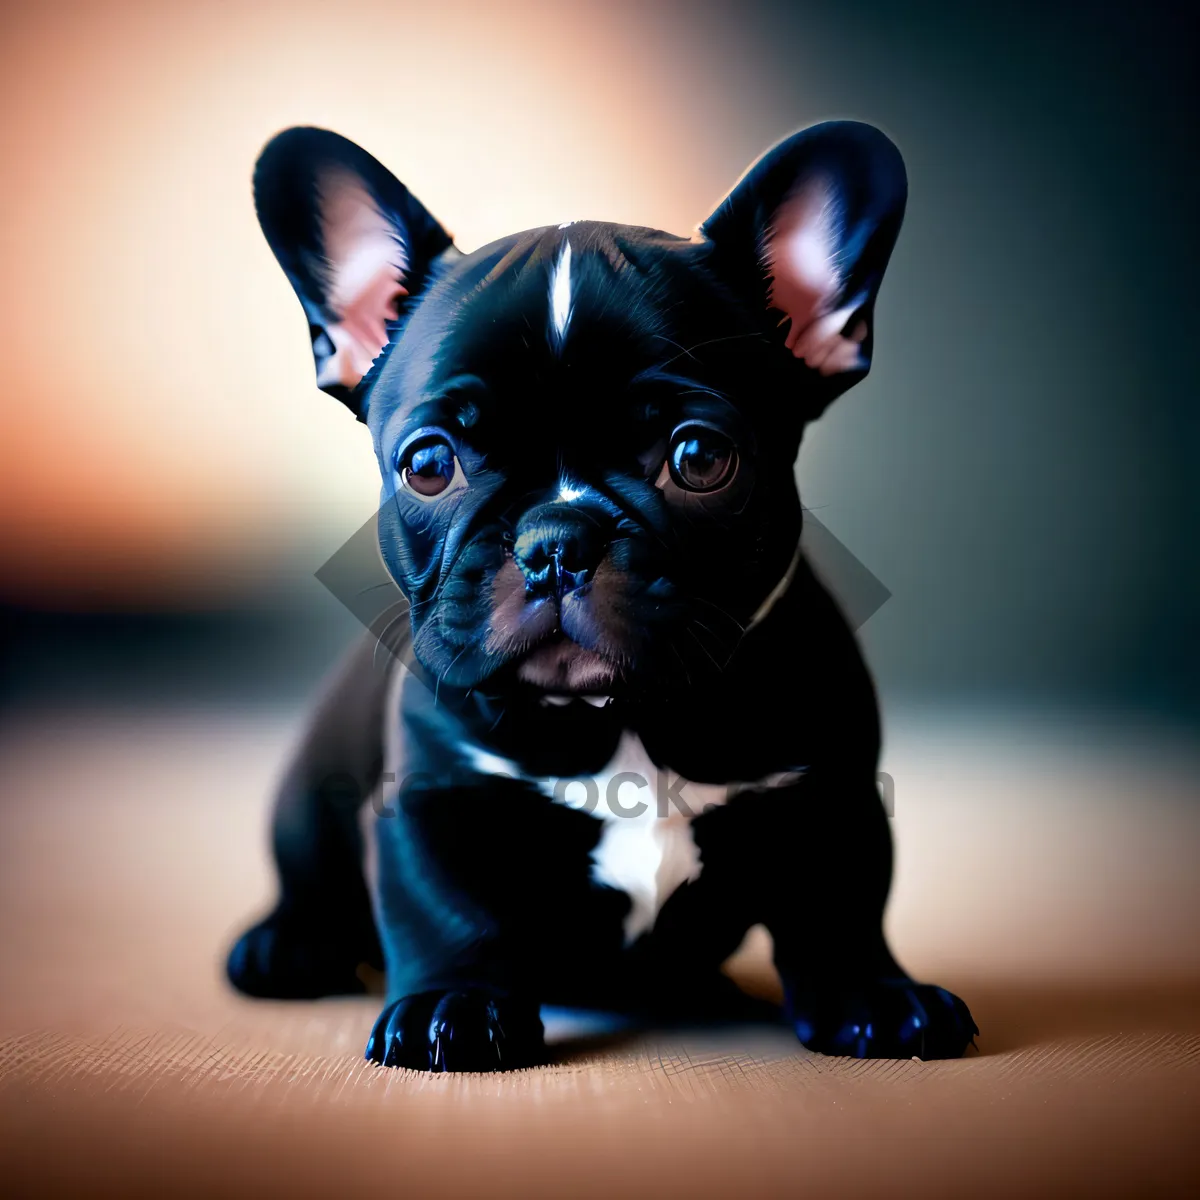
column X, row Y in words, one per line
column 1016, row 470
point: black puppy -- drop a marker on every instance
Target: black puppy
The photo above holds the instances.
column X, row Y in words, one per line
column 632, row 723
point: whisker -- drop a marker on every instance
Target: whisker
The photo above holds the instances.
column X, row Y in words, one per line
column 675, row 650
column 417, row 605
column 711, row 632
column 381, row 637
column 437, row 686
column 691, row 633
column 726, row 614
column 682, row 351
column 375, row 586
column 690, row 350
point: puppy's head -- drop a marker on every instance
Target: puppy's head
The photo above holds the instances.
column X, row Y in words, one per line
column 587, row 432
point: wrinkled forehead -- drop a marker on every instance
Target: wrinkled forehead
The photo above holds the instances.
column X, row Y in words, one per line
column 559, row 318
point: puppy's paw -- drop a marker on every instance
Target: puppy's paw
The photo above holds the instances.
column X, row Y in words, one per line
column 285, row 957
column 471, row 1030
column 887, row 1019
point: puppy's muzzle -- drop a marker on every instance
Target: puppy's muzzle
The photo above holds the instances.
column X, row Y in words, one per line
column 558, row 548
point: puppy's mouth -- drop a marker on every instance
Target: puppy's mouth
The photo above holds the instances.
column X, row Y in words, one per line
column 563, row 669
column 556, row 647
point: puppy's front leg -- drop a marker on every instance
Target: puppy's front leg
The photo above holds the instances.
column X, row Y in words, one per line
column 458, row 963
column 844, row 991
column 321, row 934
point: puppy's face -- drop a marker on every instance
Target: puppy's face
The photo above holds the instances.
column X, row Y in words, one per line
column 583, row 484
column 587, row 432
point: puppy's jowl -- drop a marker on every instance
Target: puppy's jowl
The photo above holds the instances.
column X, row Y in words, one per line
column 587, row 436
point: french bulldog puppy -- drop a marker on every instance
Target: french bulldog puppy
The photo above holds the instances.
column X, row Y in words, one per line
column 629, row 722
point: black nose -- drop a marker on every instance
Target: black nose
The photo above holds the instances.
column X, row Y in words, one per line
column 558, row 548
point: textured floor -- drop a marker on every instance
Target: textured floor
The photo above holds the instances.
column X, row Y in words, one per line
column 1048, row 877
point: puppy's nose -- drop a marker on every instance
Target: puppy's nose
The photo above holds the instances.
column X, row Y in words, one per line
column 558, row 548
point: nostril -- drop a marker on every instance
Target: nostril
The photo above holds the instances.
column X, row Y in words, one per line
column 565, row 554
column 538, row 559
column 573, row 555
column 558, row 550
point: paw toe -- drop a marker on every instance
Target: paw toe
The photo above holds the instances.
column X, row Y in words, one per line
column 456, row 1031
column 893, row 1019
column 466, row 1034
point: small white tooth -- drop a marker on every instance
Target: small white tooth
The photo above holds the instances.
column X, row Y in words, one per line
column 597, row 701
column 556, row 701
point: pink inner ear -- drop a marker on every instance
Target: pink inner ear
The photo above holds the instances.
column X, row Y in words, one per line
column 800, row 253
column 366, row 264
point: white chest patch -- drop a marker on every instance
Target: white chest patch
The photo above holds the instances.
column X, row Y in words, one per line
column 646, row 848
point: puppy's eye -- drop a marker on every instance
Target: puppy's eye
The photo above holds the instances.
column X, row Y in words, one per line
column 430, row 469
column 701, row 459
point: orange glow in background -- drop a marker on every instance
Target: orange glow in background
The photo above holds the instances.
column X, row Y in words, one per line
column 1011, row 471
column 162, row 433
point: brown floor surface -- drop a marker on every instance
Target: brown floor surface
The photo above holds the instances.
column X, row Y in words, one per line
column 1059, row 898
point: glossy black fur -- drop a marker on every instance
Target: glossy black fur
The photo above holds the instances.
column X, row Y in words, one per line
column 484, row 906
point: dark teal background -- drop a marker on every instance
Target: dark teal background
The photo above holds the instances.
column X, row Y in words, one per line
column 1019, row 468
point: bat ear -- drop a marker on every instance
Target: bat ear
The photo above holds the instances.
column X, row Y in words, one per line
column 355, row 243
column 806, row 234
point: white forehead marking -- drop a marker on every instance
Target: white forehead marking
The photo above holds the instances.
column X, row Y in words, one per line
column 560, row 293
column 568, row 490
column 566, row 225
